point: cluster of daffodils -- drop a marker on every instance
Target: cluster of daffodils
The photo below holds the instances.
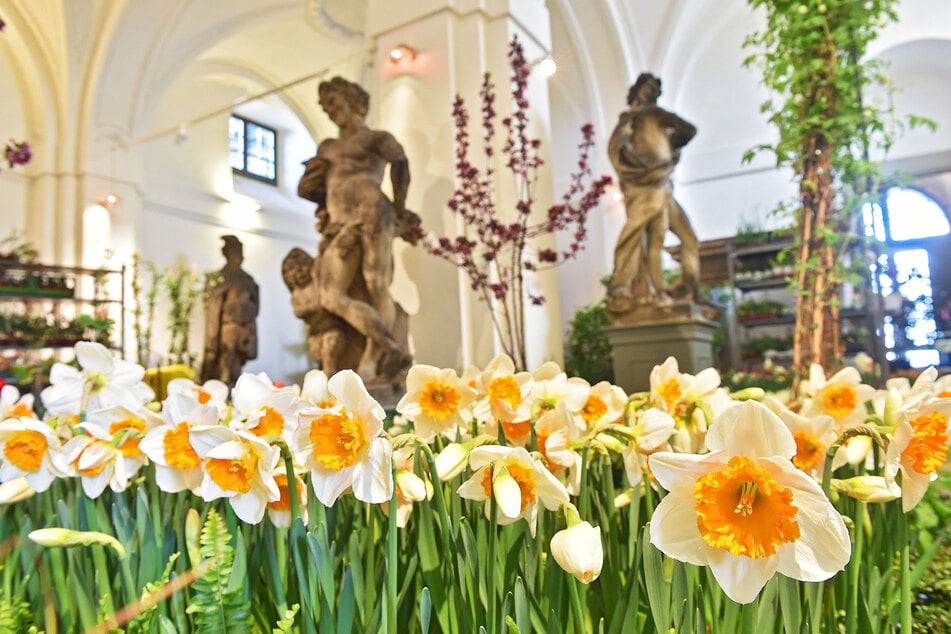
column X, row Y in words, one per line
column 742, row 472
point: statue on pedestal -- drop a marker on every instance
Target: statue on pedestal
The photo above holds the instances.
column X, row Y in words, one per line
column 232, row 304
column 352, row 319
column 644, row 149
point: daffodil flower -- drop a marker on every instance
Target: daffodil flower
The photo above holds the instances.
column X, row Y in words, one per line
column 280, row 511
column 213, row 393
column 437, row 401
column 343, row 447
column 239, row 466
column 314, row 391
column 410, row 488
column 14, row 405
column 650, row 432
column 515, row 480
column 503, row 394
column 745, row 510
column 106, row 380
column 813, row 435
column 31, row 450
column 264, row 410
column 168, row 444
column 918, row 449
column 605, row 404
column 107, row 452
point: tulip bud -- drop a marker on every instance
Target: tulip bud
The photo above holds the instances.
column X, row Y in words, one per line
column 61, row 537
column 867, row 488
column 578, row 549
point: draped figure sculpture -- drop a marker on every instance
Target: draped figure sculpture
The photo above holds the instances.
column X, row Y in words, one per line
column 644, row 150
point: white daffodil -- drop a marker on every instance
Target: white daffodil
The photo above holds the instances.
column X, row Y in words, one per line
column 651, row 431
column 107, row 451
column 437, row 401
column 605, row 404
column 31, row 450
column 577, row 549
column 557, row 430
column 264, row 410
column 343, row 447
column 688, row 399
column 515, row 480
column 168, row 444
column 280, row 511
column 314, row 392
column 213, row 393
column 813, row 435
column 503, row 394
column 410, row 488
column 239, row 466
column 14, row 405
column 108, row 381
column 842, row 396
column 745, row 510
column 918, row 449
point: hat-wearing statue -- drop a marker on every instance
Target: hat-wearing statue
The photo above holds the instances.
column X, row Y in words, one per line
column 644, row 149
column 352, row 272
column 232, row 304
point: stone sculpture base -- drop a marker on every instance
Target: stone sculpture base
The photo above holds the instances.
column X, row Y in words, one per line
column 682, row 331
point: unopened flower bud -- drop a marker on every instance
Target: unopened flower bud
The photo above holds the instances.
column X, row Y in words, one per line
column 867, row 488
column 578, row 549
column 452, row 460
column 15, row 490
column 62, row 537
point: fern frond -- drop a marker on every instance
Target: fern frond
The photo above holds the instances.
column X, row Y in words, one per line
column 217, row 609
column 284, row 625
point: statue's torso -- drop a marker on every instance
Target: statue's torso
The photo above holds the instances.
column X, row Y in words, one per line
column 355, row 171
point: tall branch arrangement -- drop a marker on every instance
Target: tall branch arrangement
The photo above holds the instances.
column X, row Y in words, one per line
column 812, row 55
column 495, row 247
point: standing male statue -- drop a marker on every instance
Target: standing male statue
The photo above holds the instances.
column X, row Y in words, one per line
column 231, row 334
column 358, row 223
column 644, row 149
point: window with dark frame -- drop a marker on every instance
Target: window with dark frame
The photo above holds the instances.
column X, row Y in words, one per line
column 253, row 149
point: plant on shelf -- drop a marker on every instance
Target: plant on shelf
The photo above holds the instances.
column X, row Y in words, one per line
column 185, row 288
column 759, row 309
column 15, row 247
column 495, row 247
column 827, row 132
column 144, row 301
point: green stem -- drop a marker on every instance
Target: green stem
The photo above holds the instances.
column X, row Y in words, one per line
column 855, row 566
column 490, row 565
column 391, row 554
column 577, row 612
column 905, row 577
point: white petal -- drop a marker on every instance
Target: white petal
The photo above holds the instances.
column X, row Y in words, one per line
column 373, row 476
column 249, row 507
column 751, row 430
column 473, row 489
column 654, row 427
column 742, row 577
column 673, row 529
column 507, row 494
column 672, row 468
column 94, row 357
column 329, row 485
column 205, row 438
column 481, row 456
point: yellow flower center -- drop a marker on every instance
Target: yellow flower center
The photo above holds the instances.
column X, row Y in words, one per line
column 517, row 429
column 178, row 448
column 839, row 400
column 439, row 400
column 91, row 471
column 928, row 448
column 670, row 391
column 337, row 439
column 522, row 476
column 20, row 409
column 271, row 422
column 233, row 474
column 26, row 449
column 808, row 450
column 743, row 510
column 134, row 428
column 593, row 409
column 284, row 504
column 505, row 388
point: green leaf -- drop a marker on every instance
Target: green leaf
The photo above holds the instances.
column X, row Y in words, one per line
column 425, row 610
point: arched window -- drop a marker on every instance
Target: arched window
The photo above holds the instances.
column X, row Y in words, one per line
column 912, row 277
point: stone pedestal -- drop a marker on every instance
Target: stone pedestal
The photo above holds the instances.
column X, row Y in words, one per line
column 639, row 347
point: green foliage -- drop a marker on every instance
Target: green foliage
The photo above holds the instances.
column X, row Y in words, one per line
column 587, row 349
column 184, row 289
column 219, row 602
column 14, row 614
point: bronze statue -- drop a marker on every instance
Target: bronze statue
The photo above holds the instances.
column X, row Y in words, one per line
column 231, row 336
column 644, row 149
column 352, row 273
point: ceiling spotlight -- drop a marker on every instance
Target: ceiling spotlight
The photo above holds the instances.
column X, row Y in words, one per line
column 110, row 200
column 547, row 66
column 402, row 53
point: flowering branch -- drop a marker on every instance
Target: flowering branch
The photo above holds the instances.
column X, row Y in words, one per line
column 493, row 252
